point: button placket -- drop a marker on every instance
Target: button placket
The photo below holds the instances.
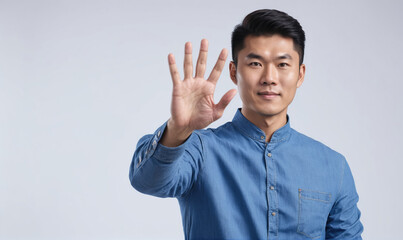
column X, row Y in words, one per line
column 271, row 191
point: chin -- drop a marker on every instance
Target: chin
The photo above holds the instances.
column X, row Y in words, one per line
column 270, row 112
column 265, row 110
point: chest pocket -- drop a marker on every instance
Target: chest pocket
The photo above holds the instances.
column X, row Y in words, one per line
column 313, row 210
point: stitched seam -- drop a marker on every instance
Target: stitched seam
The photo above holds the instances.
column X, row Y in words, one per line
column 324, row 193
column 314, row 199
column 342, row 177
column 299, row 211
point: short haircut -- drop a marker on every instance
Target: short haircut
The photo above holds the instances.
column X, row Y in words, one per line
column 267, row 22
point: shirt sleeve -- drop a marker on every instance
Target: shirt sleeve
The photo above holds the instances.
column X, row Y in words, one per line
column 166, row 171
column 344, row 218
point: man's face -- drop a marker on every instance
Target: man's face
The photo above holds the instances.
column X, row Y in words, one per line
column 267, row 74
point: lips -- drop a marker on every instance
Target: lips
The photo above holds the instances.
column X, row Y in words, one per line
column 268, row 94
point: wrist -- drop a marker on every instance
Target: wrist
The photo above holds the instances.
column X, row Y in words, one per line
column 175, row 135
column 182, row 132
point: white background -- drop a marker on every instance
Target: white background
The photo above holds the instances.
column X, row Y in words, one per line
column 82, row 81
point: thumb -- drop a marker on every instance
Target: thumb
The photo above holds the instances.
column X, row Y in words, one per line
column 223, row 103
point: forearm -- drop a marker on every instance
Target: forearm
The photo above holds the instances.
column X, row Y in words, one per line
column 165, row 171
column 154, row 176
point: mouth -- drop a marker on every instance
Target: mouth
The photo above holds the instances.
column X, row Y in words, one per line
column 268, row 94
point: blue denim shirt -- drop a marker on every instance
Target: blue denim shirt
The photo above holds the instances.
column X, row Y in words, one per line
column 231, row 184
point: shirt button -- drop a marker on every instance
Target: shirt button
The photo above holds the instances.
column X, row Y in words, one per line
column 262, row 137
column 269, row 154
column 273, row 214
column 271, row 188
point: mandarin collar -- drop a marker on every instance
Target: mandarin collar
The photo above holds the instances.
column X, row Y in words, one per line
column 252, row 131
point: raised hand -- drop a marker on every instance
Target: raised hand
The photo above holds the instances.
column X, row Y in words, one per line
column 193, row 104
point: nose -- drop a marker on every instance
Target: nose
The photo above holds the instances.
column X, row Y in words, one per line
column 269, row 76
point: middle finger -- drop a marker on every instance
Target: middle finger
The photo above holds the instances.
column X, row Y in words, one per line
column 187, row 63
column 202, row 59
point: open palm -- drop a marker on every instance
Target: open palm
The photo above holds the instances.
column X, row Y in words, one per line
column 193, row 104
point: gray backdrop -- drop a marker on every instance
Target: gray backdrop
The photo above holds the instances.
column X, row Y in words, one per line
column 82, row 81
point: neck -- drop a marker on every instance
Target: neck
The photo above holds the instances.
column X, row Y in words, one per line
column 267, row 123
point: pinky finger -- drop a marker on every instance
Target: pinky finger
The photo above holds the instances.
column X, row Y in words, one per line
column 173, row 69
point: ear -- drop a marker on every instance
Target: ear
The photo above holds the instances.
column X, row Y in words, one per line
column 232, row 72
column 301, row 75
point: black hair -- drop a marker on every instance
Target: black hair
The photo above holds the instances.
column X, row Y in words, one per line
column 267, row 22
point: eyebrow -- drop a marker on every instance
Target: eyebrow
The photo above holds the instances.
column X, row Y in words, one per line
column 257, row 56
column 254, row 55
column 284, row 56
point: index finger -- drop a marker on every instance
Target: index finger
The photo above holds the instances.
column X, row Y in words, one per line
column 188, row 63
column 218, row 67
column 201, row 61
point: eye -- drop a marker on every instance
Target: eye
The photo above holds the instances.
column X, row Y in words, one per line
column 282, row 65
column 255, row 64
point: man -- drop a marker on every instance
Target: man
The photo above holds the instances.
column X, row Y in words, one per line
column 254, row 177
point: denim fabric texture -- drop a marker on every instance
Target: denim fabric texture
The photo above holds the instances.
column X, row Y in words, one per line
column 231, row 184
